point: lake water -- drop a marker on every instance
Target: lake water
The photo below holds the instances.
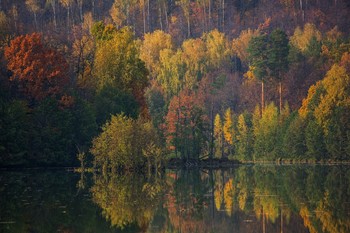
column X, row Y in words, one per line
column 262, row 198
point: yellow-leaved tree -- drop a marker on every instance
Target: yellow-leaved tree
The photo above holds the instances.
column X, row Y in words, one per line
column 152, row 44
column 218, row 49
column 328, row 105
column 218, row 137
column 228, row 127
column 302, row 37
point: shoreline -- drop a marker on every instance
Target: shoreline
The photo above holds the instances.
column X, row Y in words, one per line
column 175, row 163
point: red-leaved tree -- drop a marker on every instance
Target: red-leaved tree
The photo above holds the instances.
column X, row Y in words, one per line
column 38, row 70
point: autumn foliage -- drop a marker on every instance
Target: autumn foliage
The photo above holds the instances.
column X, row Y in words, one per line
column 38, row 70
column 185, row 123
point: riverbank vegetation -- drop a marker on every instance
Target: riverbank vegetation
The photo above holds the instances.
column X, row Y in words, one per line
column 187, row 80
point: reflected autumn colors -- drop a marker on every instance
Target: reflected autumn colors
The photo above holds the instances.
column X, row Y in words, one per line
column 261, row 198
column 127, row 200
column 244, row 198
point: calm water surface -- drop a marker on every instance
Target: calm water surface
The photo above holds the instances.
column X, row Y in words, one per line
column 240, row 199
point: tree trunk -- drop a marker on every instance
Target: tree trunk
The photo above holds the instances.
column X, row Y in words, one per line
column 262, row 97
column 128, row 14
column 149, row 166
column 204, row 18
column 160, row 17
column 148, row 16
column 53, row 4
column 68, row 16
column 166, row 16
column 35, row 21
column 93, row 7
column 281, row 220
column 209, row 18
column 188, row 26
column 144, row 17
column 81, row 10
column 263, row 220
column 302, row 9
column 223, row 15
column 280, row 92
column 211, row 155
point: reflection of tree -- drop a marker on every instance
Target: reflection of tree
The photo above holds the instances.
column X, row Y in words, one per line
column 266, row 200
column 245, row 186
column 302, row 198
column 186, row 203
column 128, row 199
column 322, row 209
column 228, row 196
column 307, row 218
column 333, row 209
column 218, row 189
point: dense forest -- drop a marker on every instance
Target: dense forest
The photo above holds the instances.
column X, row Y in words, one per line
column 128, row 83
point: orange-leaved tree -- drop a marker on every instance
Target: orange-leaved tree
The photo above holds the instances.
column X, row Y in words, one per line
column 38, row 70
column 185, row 124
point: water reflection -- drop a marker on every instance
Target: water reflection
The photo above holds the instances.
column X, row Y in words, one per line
column 241, row 199
column 128, row 199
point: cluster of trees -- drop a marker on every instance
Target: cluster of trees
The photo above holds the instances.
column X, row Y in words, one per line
column 49, row 113
column 58, row 91
column 317, row 131
column 200, row 120
column 127, row 143
column 184, row 18
column 41, row 121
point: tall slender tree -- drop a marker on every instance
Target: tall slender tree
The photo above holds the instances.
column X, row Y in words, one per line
column 258, row 58
column 278, row 50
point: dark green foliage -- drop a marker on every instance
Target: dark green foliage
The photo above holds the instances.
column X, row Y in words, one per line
column 52, row 135
column 110, row 101
column 294, row 138
column 315, row 140
column 314, row 48
column 335, row 139
column 157, row 109
column 295, row 55
column 258, row 56
column 14, row 132
column 47, row 135
column 84, row 121
column 278, row 50
column 268, row 54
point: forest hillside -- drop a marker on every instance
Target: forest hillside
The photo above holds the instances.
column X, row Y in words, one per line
column 125, row 83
